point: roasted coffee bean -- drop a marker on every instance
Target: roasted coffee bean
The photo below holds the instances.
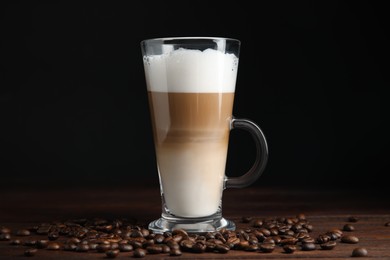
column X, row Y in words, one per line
column 70, row 247
column 198, row 248
column 257, row 223
column 158, row 239
column 288, row 241
column 30, row 252
column 251, row 247
column 125, row 247
column 53, row 246
column 308, row 240
column 82, row 248
column 353, row 219
column 246, row 219
column 267, row 247
column 112, row 253
column 15, row 242
column 328, row 245
column 5, row 230
column 154, row 249
column 101, row 248
column 175, row 252
column 387, row 224
column 359, row 252
column 53, row 236
column 348, row 227
column 139, row 253
column 322, row 239
column 23, row 232
column 42, row 243
column 308, row 247
column 186, row 244
column 29, row 242
column 165, row 249
column 350, row 239
column 221, row 248
column 289, row 249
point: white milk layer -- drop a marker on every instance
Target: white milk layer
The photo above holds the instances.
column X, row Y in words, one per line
column 196, row 71
column 192, row 177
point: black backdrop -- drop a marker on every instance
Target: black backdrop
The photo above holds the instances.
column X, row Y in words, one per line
column 73, row 100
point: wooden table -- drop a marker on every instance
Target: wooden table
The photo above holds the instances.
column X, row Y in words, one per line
column 324, row 208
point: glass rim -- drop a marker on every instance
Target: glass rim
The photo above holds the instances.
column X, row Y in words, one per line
column 162, row 39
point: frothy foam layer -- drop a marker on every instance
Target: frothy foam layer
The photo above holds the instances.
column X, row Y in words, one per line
column 195, row 71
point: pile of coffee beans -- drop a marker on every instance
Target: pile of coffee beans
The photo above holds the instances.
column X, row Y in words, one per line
column 115, row 237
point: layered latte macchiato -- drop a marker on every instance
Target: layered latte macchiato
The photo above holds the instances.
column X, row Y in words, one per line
column 191, row 95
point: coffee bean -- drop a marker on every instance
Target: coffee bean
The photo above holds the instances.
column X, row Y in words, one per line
column 112, row 253
column 289, row 249
column 308, row 240
column 267, row 247
column 350, row 239
column 246, row 219
column 30, row 252
column 154, row 249
column 53, row 246
column 387, row 224
column 23, row 232
column 53, row 236
column 4, row 230
column 328, row 245
column 42, row 243
column 359, row 252
column 29, row 242
column 353, row 219
column 257, row 223
column 175, row 252
column 125, row 248
column 221, row 248
column 348, row 227
column 82, row 248
column 139, row 253
column 15, row 242
column 70, row 247
column 101, row 248
column 308, row 247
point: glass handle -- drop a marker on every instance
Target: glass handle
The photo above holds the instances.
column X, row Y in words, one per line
column 261, row 159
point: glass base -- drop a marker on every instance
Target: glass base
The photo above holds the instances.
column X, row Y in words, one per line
column 162, row 225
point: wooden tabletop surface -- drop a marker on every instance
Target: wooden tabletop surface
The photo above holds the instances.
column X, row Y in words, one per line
column 325, row 209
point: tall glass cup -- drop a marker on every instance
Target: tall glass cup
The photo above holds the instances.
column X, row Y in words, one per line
column 190, row 84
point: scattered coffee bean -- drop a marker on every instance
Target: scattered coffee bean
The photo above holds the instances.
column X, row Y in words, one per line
column 82, row 248
column 15, row 242
column 348, row 227
column 5, row 237
column 352, row 219
column 29, row 242
column 23, row 232
column 328, row 245
column 53, row 246
column 387, row 224
column 267, row 247
column 112, row 253
column 175, row 252
column 350, row 239
column 359, row 252
column 30, row 252
column 5, row 230
column 125, row 248
column 53, row 236
column 42, row 243
column 246, row 219
column 139, row 253
column 308, row 247
column 289, row 249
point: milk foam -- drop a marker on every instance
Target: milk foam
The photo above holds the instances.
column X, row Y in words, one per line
column 195, row 71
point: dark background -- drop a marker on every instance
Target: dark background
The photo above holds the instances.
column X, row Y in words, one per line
column 312, row 74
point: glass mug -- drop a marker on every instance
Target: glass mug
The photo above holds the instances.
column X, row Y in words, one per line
column 190, row 84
